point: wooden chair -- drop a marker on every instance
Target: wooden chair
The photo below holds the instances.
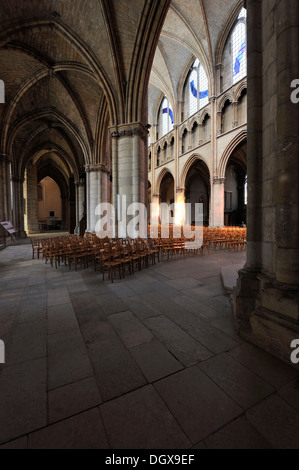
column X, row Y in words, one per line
column 36, row 247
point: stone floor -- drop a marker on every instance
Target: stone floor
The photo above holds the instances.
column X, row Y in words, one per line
column 149, row 362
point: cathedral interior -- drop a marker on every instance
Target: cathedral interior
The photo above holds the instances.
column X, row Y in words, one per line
column 154, row 102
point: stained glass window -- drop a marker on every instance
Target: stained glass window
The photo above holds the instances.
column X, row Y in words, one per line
column 167, row 117
column 243, row 14
column 239, row 48
column 198, row 88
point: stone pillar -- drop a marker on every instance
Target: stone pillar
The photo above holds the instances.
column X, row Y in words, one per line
column 94, row 194
column 217, row 202
column 105, row 184
column 181, row 145
column 31, row 200
column 4, row 189
column 80, row 202
column 18, row 205
column 180, row 216
column 200, row 134
column 219, row 122
column 235, row 113
column 286, row 192
column 65, row 217
column 189, row 140
column 129, row 171
column 218, row 79
column 155, row 214
column 266, row 297
column 180, row 108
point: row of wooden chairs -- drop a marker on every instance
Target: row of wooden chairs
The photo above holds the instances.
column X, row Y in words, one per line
column 110, row 254
column 229, row 238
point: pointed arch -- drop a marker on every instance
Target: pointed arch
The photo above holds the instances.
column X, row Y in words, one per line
column 228, row 151
column 160, row 177
column 189, row 163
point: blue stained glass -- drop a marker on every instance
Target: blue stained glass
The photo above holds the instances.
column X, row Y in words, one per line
column 202, row 94
column 193, row 89
column 168, row 110
column 239, row 58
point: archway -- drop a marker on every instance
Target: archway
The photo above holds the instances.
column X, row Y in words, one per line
column 197, row 190
column 166, row 197
column 49, row 193
column 49, row 205
column 235, row 188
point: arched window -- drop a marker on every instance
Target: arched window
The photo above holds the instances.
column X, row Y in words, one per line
column 198, row 88
column 239, row 46
column 165, row 117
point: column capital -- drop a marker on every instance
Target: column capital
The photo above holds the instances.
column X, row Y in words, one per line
column 80, row 183
column 129, row 130
column 218, row 180
column 96, row 168
column 180, row 190
column 156, row 195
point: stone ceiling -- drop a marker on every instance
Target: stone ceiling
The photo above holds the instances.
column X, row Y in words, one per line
column 192, row 29
column 71, row 67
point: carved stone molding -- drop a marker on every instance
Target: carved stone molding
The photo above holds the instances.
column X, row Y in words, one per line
column 217, row 180
column 180, row 190
column 80, row 184
column 140, row 131
column 157, row 196
column 100, row 168
column 92, row 168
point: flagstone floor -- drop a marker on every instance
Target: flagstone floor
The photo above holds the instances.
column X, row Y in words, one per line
column 149, row 362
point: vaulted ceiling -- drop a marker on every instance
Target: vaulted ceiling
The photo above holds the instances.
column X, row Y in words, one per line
column 72, row 67
column 192, row 29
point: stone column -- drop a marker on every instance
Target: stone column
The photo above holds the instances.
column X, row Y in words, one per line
column 4, row 189
column 266, row 297
column 180, row 108
column 64, row 204
column 31, row 200
column 181, row 145
column 129, row 171
column 155, row 214
column 189, row 140
column 219, row 122
column 105, row 184
column 80, row 201
column 94, row 194
column 235, row 113
column 200, row 134
column 286, row 192
column 180, row 216
column 217, row 202
column 18, row 205
column 218, row 79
